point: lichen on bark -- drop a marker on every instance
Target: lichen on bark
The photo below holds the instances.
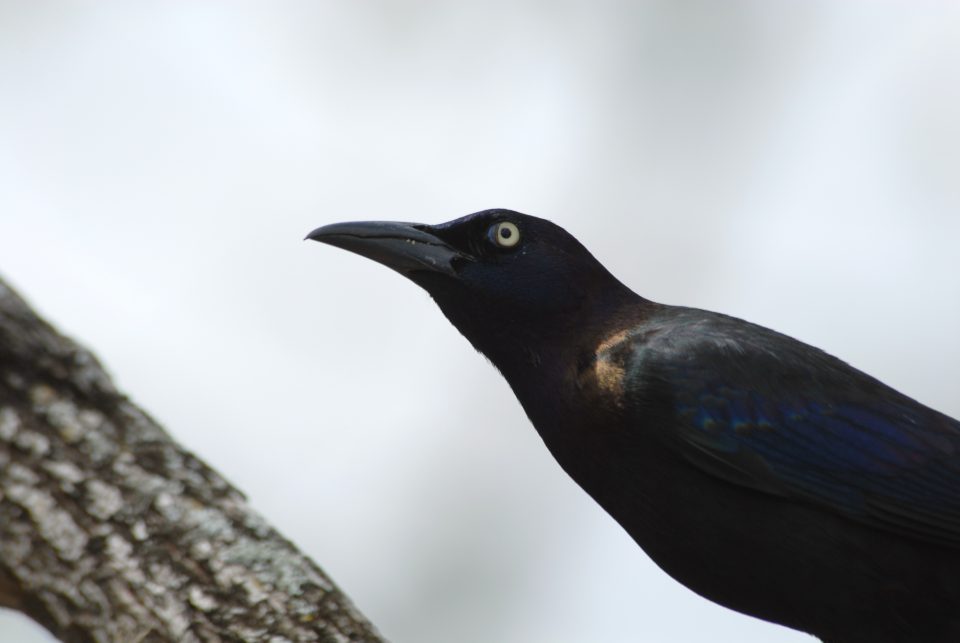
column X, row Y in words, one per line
column 110, row 531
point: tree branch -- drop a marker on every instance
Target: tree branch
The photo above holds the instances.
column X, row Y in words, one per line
column 109, row 531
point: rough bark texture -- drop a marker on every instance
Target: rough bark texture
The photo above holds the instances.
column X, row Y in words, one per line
column 109, row 531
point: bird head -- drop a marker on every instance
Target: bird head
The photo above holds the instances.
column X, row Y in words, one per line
column 506, row 280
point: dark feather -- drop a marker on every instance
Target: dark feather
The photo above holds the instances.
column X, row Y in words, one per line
column 760, row 409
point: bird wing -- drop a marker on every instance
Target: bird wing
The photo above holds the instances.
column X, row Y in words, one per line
column 760, row 409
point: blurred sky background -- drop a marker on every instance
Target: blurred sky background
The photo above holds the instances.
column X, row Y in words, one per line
column 792, row 163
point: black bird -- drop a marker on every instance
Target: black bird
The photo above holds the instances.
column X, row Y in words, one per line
column 759, row 471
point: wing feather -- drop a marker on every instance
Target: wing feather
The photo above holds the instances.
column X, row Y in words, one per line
column 762, row 410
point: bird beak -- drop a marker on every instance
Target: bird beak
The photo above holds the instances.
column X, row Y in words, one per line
column 404, row 247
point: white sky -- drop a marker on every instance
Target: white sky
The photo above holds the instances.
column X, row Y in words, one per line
column 791, row 163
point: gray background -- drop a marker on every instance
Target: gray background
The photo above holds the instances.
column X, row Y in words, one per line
column 791, row 163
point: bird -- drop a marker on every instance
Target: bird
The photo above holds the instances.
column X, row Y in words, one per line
column 760, row 472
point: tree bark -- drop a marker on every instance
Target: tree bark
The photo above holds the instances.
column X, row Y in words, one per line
column 109, row 531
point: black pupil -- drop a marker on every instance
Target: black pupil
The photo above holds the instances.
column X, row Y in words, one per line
column 505, row 232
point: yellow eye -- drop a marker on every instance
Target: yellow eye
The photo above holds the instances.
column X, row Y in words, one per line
column 505, row 234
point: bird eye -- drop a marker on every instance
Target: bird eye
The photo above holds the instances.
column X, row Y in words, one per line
column 505, row 234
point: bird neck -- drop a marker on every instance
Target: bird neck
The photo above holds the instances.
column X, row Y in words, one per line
column 543, row 355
